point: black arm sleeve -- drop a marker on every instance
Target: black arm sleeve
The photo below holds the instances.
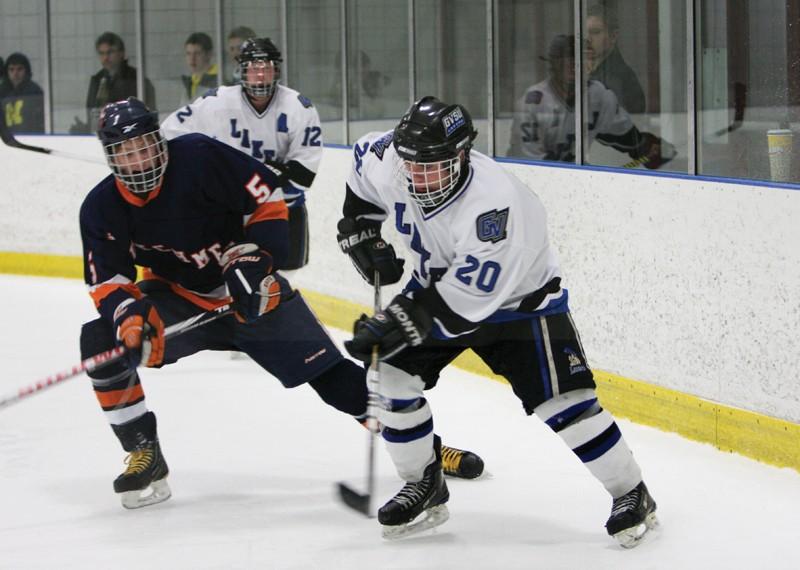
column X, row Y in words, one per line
column 438, row 309
column 354, row 207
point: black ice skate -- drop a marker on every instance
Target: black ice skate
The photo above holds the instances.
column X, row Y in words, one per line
column 461, row 464
column 417, row 507
column 144, row 481
column 632, row 516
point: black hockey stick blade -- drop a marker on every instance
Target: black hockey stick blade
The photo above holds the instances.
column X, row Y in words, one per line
column 9, row 139
column 360, row 502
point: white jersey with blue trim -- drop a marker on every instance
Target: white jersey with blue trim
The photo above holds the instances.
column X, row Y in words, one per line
column 288, row 129
column 544, row 124
column 486, row 248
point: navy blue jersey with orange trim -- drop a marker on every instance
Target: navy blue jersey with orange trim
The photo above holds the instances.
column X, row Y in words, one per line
column 211, row 197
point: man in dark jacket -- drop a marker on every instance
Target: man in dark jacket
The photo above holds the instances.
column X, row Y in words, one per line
column 22, row 99
column 114, row 82
column 606, row 62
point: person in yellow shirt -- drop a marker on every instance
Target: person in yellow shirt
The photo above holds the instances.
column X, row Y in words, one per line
column 198, row 51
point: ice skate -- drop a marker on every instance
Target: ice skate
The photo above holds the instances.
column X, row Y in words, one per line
column 461, row 464
column 417, row 507
column 144, row 482
column 632, row 516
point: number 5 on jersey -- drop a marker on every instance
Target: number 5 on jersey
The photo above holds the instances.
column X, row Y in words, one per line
column 260, row 190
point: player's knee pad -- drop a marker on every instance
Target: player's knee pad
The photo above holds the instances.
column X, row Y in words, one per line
column 98, row 336
column 568, row 409
column 344, row 387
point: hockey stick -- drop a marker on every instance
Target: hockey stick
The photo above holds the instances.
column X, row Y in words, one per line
column 9, row 139
column 110, row 356
column 362, row 502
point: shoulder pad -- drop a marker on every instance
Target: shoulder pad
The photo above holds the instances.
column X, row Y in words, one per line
column 211, row 92
column 533, row 97
column 380, row 145
column 305, row 101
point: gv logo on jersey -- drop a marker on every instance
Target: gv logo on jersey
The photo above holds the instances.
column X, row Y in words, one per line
column 491, row 226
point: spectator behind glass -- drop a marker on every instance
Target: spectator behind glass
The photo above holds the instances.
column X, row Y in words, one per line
column 198, row 50
column 544, row 120
column 604, row 60
column 116, row 81
column 235, row 39
column 22, row 99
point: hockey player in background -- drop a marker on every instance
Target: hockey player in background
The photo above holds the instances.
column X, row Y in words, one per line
column 544, row 120
column 485, row 277
column 208, row 223
column 268, row 121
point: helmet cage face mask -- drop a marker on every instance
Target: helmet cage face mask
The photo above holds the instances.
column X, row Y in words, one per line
column 259, row 88
column 139, row 163
column 429, row 183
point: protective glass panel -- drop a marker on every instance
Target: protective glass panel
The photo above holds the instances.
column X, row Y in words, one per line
column 749, row 89
column 93, row 60
column 313, row 59
column 180, row 51
column 451, row 40
column 378, row 92
column 532, row 118
column 242, row 19
column 635, row 90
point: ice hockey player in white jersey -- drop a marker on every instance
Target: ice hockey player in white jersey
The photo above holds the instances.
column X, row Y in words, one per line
column 485, row 277
column 544, row 121
column 270, row 122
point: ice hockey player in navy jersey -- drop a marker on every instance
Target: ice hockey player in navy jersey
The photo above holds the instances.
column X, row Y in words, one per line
column 485, row 277
column 268, row 121
column 208, row 225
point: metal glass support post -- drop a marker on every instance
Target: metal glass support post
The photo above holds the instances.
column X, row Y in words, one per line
column 138, row 24
column 692, row 35
column 285, row 41
column 46, row 71
column 412, row 55
column 580, row 103
column 490, row 25
column 345, row 86
column 220, row 39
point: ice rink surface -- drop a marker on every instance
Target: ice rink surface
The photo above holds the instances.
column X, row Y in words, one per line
column 253, row 468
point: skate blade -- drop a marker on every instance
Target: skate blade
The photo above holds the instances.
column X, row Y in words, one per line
column 433, row 517
column 156, row 492
column 631, row 537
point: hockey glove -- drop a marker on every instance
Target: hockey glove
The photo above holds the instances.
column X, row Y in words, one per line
column 656, row 151
column 401, row 324
column 369, row 252
column 247, row 271
column 140, row 330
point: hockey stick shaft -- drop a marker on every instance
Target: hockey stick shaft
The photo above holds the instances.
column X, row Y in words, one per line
column 109, row 357
column 362, row 502
column 9, row 139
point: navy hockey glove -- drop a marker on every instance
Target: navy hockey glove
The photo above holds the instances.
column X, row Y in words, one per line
column 140, row 330
column 247, row 271
column 401, row 324
column 369, row 252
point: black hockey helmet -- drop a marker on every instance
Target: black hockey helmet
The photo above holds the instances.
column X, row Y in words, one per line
column 432, row 130
column 262, row 50
column 429, row 141
column 140, row 164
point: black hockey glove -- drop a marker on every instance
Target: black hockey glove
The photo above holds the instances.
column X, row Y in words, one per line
column 247, row 271
column 293, row 196
column 655, row 151
column 401, row 324
column 369, row 252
